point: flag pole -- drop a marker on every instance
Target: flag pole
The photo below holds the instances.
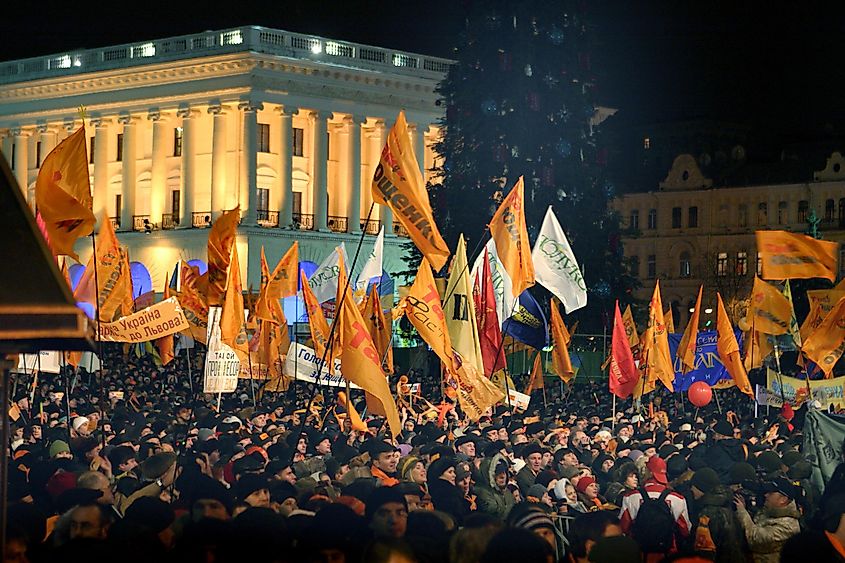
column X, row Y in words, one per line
column 99, row 339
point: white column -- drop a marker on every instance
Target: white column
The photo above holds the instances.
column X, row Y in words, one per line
column 319, row 167
column 353, row 171
column 47, row 137
column 386, row 212
column 218, row 161
column 101, row 170
column 128, row 173
column 250, row 148
column 21, row 158
column 285, row 166
column 8, row 139
column 158, row 169
column 189, row 167
column 419, row 145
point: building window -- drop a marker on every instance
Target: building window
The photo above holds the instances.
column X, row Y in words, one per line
column 759, row 265
column 646, row 143
column 91, row 153
column 763, row 213
column 693, row 217
column 177, row 141
column 634, row 221
column 297, row 203
column 803, row 208
column 298, row 138
column 634, row 266
column 841, row 212
column 743, row 215
column 828, row 211
column 120, row 147
column 263, row 200
column 686, row 269
column 722, row 264
column 263, row 137
column 118, row 206
column 328, row 146
column 723, row 215
column 38, row 154
column 676, row 217
column 652, row 219
column 783, row 213
column 652, row 266
column 741, row 263
column 14, row 149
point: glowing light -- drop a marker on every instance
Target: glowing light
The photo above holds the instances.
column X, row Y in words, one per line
column 144, row 50
column 62, row 61
column 317, row 48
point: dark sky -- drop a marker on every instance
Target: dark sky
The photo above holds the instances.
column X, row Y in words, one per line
column 773, row 62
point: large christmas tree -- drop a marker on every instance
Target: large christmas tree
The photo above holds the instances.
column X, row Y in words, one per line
column 519, row 102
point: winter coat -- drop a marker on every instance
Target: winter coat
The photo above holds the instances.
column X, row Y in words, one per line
column 448, row 498
column 769, row 530
column 524, row 479
column 723, row 454
column 492, row 499
column 716, row 533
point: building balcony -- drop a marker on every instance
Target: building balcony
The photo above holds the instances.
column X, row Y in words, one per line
column 371, row 227
column 267, row 218
column 200, row 219
column 115, row 223
column 338, row 224
column 142, row 224
column 399, row 230
column 169, row 221
column 303, row 221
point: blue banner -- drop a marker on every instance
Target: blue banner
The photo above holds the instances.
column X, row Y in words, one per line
column 708, row 365
column 528, row 323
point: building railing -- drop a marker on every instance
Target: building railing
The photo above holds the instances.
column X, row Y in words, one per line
column 267, row 218
column 371, row 227
column 115, row 223
column 169, row 221
column 399, row 229
column 234, row 40
column 303, row 221
column 142, row 223
column 200, row 219
column 338, row 224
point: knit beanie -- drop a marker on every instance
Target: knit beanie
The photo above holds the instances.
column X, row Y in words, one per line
column 533, row 520
column 58, row 447
column 705, row 480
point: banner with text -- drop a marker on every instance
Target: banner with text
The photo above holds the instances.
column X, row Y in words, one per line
column 162, row 319
column 303, row 364
column 708, row 366
column 221, row 362
column 794, row 390
column 45, row 361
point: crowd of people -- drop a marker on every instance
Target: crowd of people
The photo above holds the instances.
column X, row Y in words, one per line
column 134, row 463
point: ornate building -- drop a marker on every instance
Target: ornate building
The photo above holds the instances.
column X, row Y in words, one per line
column 688, row 232
column 289, row 126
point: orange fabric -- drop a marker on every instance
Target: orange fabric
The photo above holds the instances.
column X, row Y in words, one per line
column 827, row 343
column 834, row 541
column 787, row 255
column 283, row 281
column 728, row 349
column 110, row 286
column 380, row 328
column 769, row 311
column 221, row 238
column 193, row 302
column 536, row 381
column 560, row 338
column 165, row 345
column 316, row 320
column 689, row 341
column 232, row 325
column 511, row 236
column 657, row 360
column 386, row 480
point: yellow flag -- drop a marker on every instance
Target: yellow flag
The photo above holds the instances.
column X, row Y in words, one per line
column 193, row 303
column 165, row 344
column 267, row 306
column 127, row 306
column 689, row 341
column 380, row 328
column 111, row 276
column 316, row 319
column 657, row 359
column 283, row 281
column 398, row 183
column 536, row 381
column 787, row 255
column 822, row 302
column 63, row 194
column 359, row 359
column 827, row 343
column 728, row 349
column 669, row 319
column 221, row 238
column 630, row 328
column 459, row 308
column 351, row 413
column 232, row 323
column 511, row 237
column 757, row 348
column 768, row 310
column 560, row 339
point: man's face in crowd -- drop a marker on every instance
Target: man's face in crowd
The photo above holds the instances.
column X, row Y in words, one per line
column 595, row 420
column 503, row 434
column 209, row 508
column 467, row 449
column 581, row 423
column 386, row 461
column 492, row 434
column 570, row 459
column 547, row 459
column 409, row 425
column 534, row 460
column 413, row 501
column 390, row 520
column 625, row 432
column 581, row 439
column 519, row 439
column 260, row 421
column 36, row 432
column 501, row 480
column 259, row 499
column 650, row 451
column 87, row 522
column 128, row 465
column 324, row 447
column 183, row 415
column 775, row 499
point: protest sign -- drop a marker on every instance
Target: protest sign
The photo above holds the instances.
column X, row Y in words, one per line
column 162, row 319
column 303, row 364
column 221, row 363
column 45, row 361
column 519, row 400
column 825, row 391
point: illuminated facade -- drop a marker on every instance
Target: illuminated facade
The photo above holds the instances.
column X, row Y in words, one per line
column 289, row 126
column 689, row 232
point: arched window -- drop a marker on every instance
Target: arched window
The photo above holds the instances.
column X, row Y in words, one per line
column 141, row 280
column 686, row 268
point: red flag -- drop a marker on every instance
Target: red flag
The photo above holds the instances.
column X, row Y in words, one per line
column 489, row 331
column 623, row 373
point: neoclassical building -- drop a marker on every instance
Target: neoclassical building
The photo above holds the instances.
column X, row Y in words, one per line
column 688, row 232
column 289, row 126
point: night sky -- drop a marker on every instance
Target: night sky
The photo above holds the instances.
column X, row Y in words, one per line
column 774, row 64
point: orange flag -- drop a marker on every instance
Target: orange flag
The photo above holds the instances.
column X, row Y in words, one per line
column 165, row 344
column 267, row 307
column 511, row 237
column 66, row 273
column 354, row 417
column 768, row 310
column 316, row 320
column 283, row 281
column 728, row 349
column 127, row 306
column 221, row 238
column 359, row 360
column 669, row 319
column 622, row 372
column 631, row 329
column 787, row 255
column 63, row 194
column 106, row 287
column 560, row 338
column 380, row 328
column 827, row 343
column 689, row 341
column 822, row 302
column 536, row 381
column 193, row 303
column 232, row 323
column 757, row 348
column 657, row 360
column 398, row 183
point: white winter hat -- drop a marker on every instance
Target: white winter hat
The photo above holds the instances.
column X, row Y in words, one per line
column 79, row 422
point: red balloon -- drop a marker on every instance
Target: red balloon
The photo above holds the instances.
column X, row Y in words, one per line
column 700, row 394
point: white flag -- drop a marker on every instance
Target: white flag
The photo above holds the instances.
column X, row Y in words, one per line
column 555, row 267
column 323, row 281
column 506, row 304
column 373, row 266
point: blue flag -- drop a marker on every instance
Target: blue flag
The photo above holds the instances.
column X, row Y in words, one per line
column 708, row 366
column 528, row 323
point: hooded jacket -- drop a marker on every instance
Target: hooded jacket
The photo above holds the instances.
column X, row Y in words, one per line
column 769, row 530
column 717, row 534
column 491, row 498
